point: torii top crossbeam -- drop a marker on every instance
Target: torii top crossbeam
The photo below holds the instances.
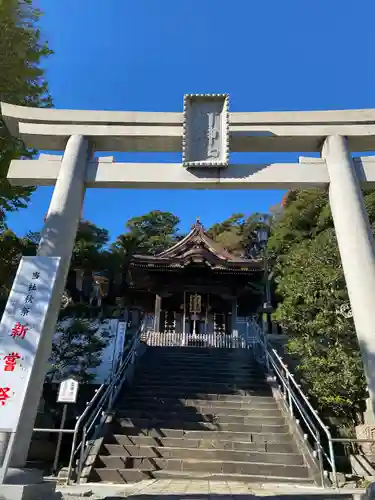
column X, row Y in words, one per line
column 50, row 129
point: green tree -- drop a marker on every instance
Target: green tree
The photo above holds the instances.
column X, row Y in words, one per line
column 11, row 250
column 89, row 247
column 238, row 234
column 314, row 304
column 89, row 251
column 229, row 233
column 148, row 234
column 22, row 82
column 77, row 349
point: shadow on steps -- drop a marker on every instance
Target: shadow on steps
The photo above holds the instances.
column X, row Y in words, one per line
column 204, row 414
column 233, row 496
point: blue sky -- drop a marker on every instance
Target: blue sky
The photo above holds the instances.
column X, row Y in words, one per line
column 146, row 54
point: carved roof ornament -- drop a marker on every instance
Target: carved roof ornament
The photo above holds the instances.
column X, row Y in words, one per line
column 205, row 136
column 197, row 247
column 65, row 300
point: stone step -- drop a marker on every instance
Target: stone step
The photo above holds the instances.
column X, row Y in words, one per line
column 176, row 377
column 233, row 402
column 198, row 393
column 136, row 475
column 200, row 433
column 239, row 359
column 198, row 465
column 282, row 443
column 219, row 355
column 177, row 369
column 193, row 377
column 181, row 416
column 199, row 377
column 261, row 436
column 156, row 405
column 201, row 360
column 203, row 364
column 246, row 387
column 212, row 352
column 257, row 427
column 199, row 413
column 206, row 361
column 199, row 454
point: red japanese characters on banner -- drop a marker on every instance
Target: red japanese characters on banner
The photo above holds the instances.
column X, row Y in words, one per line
column 4, row 396
column 21, row 327
column 10, row 361
column 19, row 330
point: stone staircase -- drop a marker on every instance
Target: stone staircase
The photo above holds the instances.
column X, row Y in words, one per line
column 199, row 413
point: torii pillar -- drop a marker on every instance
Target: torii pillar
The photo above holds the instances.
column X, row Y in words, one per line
column 57, row 240
column 356, row 245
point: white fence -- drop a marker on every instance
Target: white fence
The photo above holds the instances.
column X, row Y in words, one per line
column 243, row 338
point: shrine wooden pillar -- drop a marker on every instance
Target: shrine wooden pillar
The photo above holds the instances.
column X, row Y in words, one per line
column 157, row 313
column 234, row 330
column 184, row 322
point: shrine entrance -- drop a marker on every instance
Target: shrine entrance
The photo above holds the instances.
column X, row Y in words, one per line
column 196, row 291
column 196, row 313
column 205, row 133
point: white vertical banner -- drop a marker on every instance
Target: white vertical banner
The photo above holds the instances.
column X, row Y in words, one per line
column 113, row 324
column 20, row 330
column 104, row 370
column 120, row 339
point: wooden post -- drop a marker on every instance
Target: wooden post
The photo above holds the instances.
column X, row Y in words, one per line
column 207, row 306
column 184, row 322
column 157, row 313
column 234, row 331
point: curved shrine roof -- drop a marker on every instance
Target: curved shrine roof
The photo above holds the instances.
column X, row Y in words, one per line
column 198, row 248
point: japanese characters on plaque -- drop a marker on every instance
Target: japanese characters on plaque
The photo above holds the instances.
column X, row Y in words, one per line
column 195, row 303
column 20, row 330
column 206, row 131
column 68, row 391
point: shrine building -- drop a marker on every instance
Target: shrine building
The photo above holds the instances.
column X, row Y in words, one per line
column 196, row 287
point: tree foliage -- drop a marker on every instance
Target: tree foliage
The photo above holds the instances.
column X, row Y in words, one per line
column 22, row 82
column 314, row 302
column 239, row 234
column 11, row 250
column 148, row 234
column 77, row 349
column 89, row 247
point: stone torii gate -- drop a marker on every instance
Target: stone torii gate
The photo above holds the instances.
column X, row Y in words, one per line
column 205, row 132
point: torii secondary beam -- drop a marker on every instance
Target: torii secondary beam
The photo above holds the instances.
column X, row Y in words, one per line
column 105, row 173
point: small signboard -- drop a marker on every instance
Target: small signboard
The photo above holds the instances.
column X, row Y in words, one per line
column 68, row 391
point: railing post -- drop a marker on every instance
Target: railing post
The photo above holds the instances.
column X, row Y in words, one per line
column 332, row 457
column 81, row 455
column 290, row 399
column 319, row 456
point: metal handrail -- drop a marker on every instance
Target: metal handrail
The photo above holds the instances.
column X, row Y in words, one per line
column 297, row 400
column 352, row 440
column 100, row 405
